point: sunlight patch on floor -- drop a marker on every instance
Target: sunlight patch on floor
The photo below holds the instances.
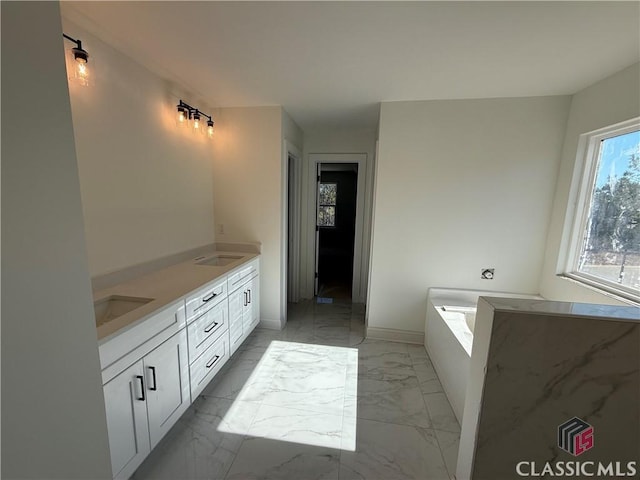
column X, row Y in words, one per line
column 302, row 393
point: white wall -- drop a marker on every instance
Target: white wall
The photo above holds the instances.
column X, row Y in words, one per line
column 333, row 141
column 147, row 185
column 53, row 417
column 291, row 132
column 461, row 185
column 610, row 101
column 247, row 178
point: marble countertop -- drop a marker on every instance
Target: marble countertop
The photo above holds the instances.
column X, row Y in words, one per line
column 164, row 286
column 618, row 313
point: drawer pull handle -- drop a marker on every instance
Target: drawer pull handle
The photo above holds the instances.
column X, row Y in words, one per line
column 210, row 297
column 215, row 359
column 153, row 375
column 211, row 327
column 249, row 295
column 245, row 299
column 141, row 378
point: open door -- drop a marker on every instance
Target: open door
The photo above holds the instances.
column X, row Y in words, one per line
column 335, row 230
column 327, row 249
column 315, row 281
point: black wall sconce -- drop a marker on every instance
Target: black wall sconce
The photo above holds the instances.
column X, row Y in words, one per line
column 81, row 72
column 188, row 115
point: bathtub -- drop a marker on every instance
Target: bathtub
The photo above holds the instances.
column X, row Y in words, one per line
column 448, row 337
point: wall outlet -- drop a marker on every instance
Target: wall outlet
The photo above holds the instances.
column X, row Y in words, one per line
column 487, row 273
column 221, row 228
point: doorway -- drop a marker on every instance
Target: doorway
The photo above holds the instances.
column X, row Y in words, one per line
column 293, row 228
column 337, row 189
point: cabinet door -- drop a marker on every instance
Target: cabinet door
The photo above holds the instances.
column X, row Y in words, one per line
column 237, row 301
column 251, row 312
column 167, row 380
column 254, row 297
column 126, row 406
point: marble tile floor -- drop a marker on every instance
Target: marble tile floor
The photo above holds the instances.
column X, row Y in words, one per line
column 315, row 401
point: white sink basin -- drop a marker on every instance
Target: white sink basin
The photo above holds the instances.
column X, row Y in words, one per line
column 219, row 260
column 115, row 306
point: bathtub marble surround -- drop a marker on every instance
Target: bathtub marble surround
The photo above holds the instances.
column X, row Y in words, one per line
column 315, row 401
column 547, row 362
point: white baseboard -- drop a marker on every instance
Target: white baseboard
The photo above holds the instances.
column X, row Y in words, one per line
column 392, row 335
column 270, row 324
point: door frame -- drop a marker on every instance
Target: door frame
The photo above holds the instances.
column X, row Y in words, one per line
column 358, row 243
column 290, row 270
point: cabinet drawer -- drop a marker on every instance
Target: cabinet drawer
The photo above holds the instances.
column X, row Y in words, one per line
column 204, row 330
column 242, row 274
column 123, row 350
column 206, row 298
column 208, row 364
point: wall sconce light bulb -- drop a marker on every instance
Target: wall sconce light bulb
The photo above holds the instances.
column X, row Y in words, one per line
column 82, row 68
column 210, row 128
column 196, row 122
column 183, row 116
column 79, row 71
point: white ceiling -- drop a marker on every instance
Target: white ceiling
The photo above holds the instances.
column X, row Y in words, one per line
column 329, row 64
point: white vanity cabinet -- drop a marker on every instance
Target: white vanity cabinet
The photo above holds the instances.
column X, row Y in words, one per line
column 146, row 391
column 244, row 303
column 155, row 368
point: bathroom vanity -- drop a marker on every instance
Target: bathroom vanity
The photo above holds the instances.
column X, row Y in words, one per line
column 163, row 337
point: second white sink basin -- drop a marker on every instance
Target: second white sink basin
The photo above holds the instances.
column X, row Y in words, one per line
column 115, row 306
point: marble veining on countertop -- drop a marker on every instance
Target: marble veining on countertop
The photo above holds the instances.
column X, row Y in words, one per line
column 547, row 307
column 164, row 286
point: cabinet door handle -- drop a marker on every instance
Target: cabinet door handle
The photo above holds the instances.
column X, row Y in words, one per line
column 245, row 299
column 141, row 378
column 215, row 359
column 153, row 375
column 210, row 297
column 211, row 327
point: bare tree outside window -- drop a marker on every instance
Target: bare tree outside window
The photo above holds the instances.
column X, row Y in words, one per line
column 611, row 243
column 327, row 204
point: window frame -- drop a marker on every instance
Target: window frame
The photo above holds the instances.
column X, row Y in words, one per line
column 334, row 205
column 587, row 161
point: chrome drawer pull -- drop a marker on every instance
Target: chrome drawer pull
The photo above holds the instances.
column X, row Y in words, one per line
column 210, row 297
column 249, row 295
column 215, row 359
column 211, row 327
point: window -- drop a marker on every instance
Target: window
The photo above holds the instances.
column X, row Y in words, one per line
column 605, row 246
column 327, row 196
